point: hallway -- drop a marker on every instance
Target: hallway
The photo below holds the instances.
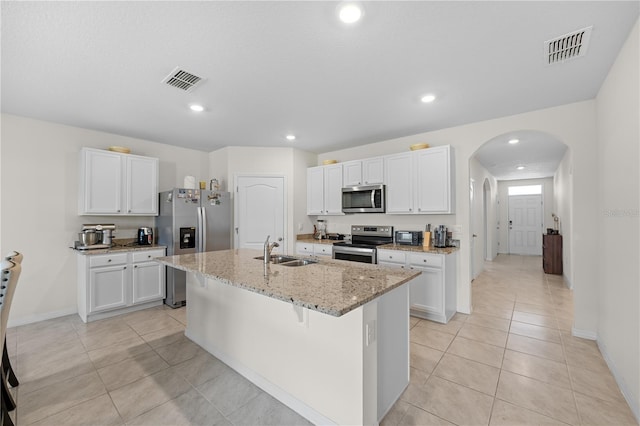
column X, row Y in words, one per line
column 513, row 361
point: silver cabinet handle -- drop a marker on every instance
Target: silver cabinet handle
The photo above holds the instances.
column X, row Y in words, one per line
column 108, row 260
column 135, row 266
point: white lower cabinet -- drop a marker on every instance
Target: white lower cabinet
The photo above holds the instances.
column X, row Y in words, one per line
column 433, row 293
column 311, row 249
column 111, row 284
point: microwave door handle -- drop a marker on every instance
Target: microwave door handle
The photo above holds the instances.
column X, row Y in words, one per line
column 373, row 198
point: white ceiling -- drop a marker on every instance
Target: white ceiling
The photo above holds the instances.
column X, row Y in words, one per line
column 539, row 153
column 274, row 68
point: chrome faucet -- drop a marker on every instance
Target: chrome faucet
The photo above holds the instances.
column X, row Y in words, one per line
column 268, row 247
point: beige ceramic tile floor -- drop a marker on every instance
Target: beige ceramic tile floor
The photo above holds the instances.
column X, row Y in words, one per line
column 512, row 362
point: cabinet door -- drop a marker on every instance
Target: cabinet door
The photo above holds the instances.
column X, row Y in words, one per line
column 433, row 180
column 315, row 190
column 101, row 182
column 107, row 288
column 142, row 185
column 148, row 282
column 304, row 248
column 373, row 171
column 427, row 291
column 399, row 180
column 352, row 173
column 333, row 189
column 322, row 249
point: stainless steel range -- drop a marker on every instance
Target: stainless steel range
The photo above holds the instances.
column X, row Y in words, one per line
column 364, row 240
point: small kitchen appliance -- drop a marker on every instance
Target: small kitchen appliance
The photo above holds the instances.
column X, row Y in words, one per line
column 145, row 236
column 320, row 230
column 409, row 238
column 364, row 240
column 440, row 236
column 363, row 199
column 95, row 236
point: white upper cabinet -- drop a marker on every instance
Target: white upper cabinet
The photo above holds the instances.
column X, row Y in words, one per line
column 373, row 171
column 111, row 183
column 363, row 172
column 324, row 190
column 142, row 185
column 434, row 170
column 399, row 179
column 420, row 182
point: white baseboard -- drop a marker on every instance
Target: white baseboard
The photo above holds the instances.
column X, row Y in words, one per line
column 15, row 322
column 584, row 334
column 631, row 399
column 567, row 282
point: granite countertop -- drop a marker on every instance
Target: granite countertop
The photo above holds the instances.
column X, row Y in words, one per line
column 419, row 249
column 333, row 287
column 119, row 249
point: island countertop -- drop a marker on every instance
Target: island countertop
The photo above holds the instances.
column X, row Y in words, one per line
column 333, row 287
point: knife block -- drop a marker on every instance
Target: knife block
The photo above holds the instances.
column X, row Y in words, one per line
column 426, row 240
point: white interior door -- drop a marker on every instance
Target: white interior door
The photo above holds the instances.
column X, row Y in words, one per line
column 260, row 211
column 525, row 224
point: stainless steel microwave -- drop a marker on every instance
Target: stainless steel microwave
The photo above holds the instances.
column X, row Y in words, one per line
column 363, row 199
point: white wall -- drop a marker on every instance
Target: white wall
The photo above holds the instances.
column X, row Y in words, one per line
column 572, row 124
column 485, row 237
column 40, row 202
column 563, row 194
column 618, row 218
column 503, row 198
column 227, row 163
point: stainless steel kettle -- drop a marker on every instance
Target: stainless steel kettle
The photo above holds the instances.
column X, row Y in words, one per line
column 145, row 236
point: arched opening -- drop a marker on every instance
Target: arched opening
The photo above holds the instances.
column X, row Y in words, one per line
column 516, row 158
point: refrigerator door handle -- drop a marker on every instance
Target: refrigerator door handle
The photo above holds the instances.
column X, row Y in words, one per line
column 203, row 229
column 199, row 230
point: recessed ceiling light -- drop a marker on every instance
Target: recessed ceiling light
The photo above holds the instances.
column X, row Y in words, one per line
column 291, row 137
column 428, row 98
column 514, row 141
column 196, row 108
column 520, row 167
column 350, row 13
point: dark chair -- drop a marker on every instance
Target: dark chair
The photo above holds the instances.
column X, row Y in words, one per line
column 15, row 257
column 8, row 282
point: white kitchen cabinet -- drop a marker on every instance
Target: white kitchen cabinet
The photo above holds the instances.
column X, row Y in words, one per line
column 142, row 185
column 311, row 249
column 434, row 177
column 108, row 288
column 111, row 183
column 420, row 182
column 114, row 283
column 324, row 190
column 433, row 293
column 148, row 282
column 399, row 180
column 369, row 171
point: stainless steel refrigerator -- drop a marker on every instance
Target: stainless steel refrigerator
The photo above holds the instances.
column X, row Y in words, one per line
column 191, row 221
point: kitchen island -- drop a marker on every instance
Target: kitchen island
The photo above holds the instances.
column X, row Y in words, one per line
column 328, row 339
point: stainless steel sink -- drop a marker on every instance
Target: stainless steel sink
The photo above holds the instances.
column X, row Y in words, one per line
column 276, row 258
column 287, row 260
column 299, row 262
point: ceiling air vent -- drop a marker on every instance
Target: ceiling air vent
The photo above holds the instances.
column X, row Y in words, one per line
column 568, row 46
column 182, row 80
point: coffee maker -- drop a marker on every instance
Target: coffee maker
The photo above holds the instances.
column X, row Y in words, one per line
column 95, row 236
column 440, row 236
column 145, row 236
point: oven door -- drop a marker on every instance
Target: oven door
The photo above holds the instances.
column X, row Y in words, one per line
column 355, row 254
